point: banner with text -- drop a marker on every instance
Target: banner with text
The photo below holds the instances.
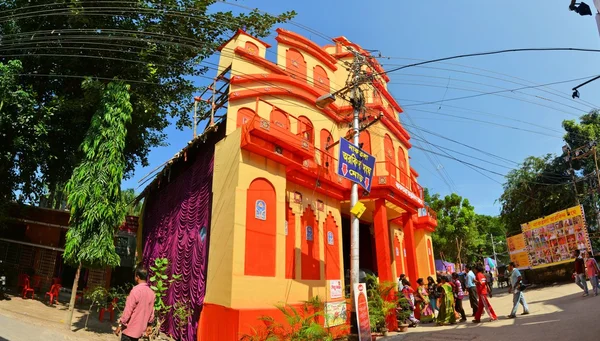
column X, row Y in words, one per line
column 356, row 165
column 362, row 312
column 552, row 239
column 517, row 249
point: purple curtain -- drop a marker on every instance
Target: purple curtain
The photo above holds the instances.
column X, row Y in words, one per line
column 176, row 226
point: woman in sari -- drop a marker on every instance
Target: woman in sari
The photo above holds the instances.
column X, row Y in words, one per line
column 446, row 314
column 432, row 293
column 424, row 303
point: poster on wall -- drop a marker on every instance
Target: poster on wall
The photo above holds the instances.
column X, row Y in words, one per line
column 552, row 239
column 335, row 289
column 517, row 249
column 362, row 312
column 335, row 314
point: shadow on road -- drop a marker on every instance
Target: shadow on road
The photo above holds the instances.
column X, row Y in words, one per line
column 567, row 317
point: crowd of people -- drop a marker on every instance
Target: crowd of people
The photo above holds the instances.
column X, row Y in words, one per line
column 586, row 265
column 441, row 300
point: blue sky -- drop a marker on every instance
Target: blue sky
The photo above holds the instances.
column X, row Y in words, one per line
column 405, row 31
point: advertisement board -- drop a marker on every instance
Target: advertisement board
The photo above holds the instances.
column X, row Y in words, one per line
column 552, row 239
column 517, row 250
column 362, row 312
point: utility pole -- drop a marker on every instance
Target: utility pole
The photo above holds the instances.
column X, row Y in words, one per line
column 356, row 79
column 494, row 250
column 567, row 149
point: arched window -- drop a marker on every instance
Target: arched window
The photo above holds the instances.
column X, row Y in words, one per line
column 306, row 129
column 295, row 64
column 376, row 97
column 290, row 243
column 398, row 256
column 404, row 171
column 365, row 139
column 244, row 115
column 311, row 263
column 390, row 155
column 320, row 79
column 327, row 154
column 261, row 229
column 430, row 256
column 332, row 249
column 280, row 119
column 251, row 48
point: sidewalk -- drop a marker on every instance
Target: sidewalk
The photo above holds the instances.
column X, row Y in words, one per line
column 24, row 316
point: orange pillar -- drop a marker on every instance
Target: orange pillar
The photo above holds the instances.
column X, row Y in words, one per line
column 384, row 259
column 409, row 243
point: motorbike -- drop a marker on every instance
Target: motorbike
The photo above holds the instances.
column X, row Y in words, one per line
column 3, row 295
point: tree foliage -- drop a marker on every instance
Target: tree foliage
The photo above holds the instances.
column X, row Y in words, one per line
column 22, row 133
column 462, row 235
column 542, row 185
column 94, row 190
column 157, row 46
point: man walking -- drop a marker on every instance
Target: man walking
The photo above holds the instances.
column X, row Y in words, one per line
column 518, row 297
column 580, row 272
column 471, row 289
column 489, row 281
column 139, row 309
column 483, row 300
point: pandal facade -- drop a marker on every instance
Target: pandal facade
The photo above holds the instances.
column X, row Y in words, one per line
column 252, row 211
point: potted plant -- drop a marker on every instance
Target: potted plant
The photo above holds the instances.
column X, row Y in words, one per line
column 380, row 304
column 402, row 312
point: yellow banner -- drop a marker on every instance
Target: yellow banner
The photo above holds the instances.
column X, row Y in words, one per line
column 552, row 239
column 516, row 243
column 521, row 259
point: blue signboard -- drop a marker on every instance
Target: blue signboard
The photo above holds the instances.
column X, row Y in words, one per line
column 356, row 165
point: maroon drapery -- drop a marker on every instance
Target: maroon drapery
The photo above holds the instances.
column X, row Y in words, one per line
column 176, row 226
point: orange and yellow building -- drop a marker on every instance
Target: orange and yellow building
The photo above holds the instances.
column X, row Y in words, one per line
column 279, row 221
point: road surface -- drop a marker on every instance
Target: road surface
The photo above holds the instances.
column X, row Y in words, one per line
column 557, row 313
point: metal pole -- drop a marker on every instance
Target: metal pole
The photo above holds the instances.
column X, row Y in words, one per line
column 573, row 177
column 494, row 250
column 354, row 231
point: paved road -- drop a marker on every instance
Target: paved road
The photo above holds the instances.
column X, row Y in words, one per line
column 557, row 313
column 15, row 330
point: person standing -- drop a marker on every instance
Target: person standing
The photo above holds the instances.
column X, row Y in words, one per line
column 409, row 294
column 579, row 273
column 139, row 309
column 431, row 290
column 446, row 314
column 482, row 293
column 592, row 272
column 515, row 287
column 458, row 297
column 400, row 286
column 471, row 289
column 422, row 297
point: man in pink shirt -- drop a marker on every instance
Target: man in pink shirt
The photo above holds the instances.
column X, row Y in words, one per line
column 139, row 309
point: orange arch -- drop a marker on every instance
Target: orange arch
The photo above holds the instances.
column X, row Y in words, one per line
column 320, row 79
column 390, row 155
column 404, row 176
column 430, row 256
column 280, row 118
column 251, row 48
column 261, row 229
column 326, row 139
column 332, row 248
column 295, row 64
column 306, row 129
column 365, row 139
column 244, row 115
column 290, row 243
column 310, row 246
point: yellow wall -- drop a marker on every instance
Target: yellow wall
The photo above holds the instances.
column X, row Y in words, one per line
column 423, row 266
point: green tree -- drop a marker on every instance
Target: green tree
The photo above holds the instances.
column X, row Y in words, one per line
column 133, row 208
column 489, row 227
column 94, row 190
column 157, row 46
column 539, row 187
column 456, row 233
column 22, row 135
